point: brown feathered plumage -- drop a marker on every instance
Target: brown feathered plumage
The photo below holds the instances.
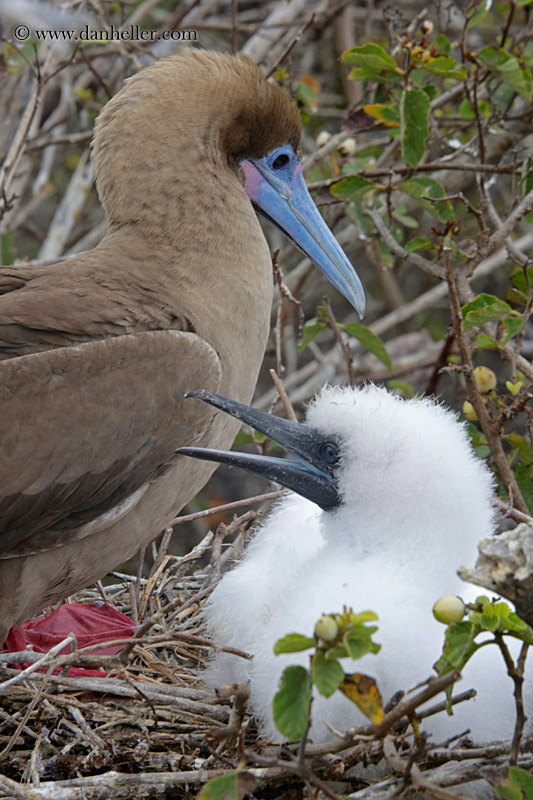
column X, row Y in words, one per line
column 97, row 352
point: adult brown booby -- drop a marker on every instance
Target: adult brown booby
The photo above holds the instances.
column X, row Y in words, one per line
column 96, row 353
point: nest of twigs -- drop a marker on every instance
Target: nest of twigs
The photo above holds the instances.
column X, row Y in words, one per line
column 152, row 728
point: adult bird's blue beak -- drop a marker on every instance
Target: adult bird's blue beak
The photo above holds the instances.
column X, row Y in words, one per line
column 276, row 187
column 312, row 475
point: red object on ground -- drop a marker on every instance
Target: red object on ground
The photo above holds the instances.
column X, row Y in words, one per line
column 91, row 624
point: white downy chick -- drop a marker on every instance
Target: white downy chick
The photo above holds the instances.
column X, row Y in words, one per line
column 413, row 503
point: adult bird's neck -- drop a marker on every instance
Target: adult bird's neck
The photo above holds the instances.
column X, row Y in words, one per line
column 197, row 249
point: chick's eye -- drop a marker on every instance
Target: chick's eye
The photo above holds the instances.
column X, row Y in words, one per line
column 280, row 161
column 329, row 452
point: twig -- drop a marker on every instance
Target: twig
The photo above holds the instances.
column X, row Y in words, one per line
column 41, row 662
column 296, row 38
column 431, row 267
column 283, row 396
column 248, row 501
column 516, row 673
column 490, row 427
column 403, row 709
column 338, row 335
column 433, row 166
column 399, row 765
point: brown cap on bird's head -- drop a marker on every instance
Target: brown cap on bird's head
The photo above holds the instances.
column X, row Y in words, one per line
column 195, row 105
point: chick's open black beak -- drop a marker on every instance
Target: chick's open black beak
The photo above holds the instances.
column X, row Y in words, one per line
column 311, row 475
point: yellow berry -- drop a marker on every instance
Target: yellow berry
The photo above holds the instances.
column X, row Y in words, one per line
column 485, row 379
column 449, row 609
column 468, row 411
column 326, row 628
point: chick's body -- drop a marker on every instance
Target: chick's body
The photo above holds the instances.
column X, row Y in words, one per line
column 416, row 501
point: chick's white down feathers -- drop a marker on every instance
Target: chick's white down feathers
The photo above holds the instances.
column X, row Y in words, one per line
column 416, row 501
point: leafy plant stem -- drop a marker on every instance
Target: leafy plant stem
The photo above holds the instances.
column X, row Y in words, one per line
column 489, row 426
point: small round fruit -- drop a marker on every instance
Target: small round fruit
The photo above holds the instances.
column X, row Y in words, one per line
column 348, row 147
column 427, row 27
column 468, row 411
column 326, row 628
column 322, row 138
column 485, row 379
column 449, row 609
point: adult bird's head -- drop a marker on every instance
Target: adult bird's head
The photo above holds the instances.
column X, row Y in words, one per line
column 387, row 465
column 244, row 131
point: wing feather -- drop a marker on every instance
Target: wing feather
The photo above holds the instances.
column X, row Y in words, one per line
column 82, row 428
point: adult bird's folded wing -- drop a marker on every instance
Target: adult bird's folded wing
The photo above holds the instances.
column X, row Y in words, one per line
column 85, row 429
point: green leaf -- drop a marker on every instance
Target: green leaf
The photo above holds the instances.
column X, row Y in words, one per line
column 418, row 243
column 445, row 67
column 442, row 43
column 362, row 616
column 414, row 122
column 351, row 188
column 482, row 452
column 466, row 111
column 339, row 651
column 293, row 643
column 249, row 438
column 498, row 616
column 522, row 447
column 358, row 641
column 401, row 386
column 399, row 214
column 291, row 703
column 510, row 792
column 369, row 340
column 7, row 248
column 374, row 75
column 305, row 94
column 511, row 326
column 221, row 787
column 231, row 786
column 371, row 56
column 421, row 187
column 485, row 308
column 384, row 112
column 484, row 342
column 327, row 674
column 476, row 437
column 516, row 298
column 521, row 781
column 479, row 14
column 311, row 328
column 441, row 64
column 508, row 68
column 522, row 279
column 459, row 646
column 524, row 478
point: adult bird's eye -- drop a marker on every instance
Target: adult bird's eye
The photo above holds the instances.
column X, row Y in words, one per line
column 329, row 452
column 280, row 161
